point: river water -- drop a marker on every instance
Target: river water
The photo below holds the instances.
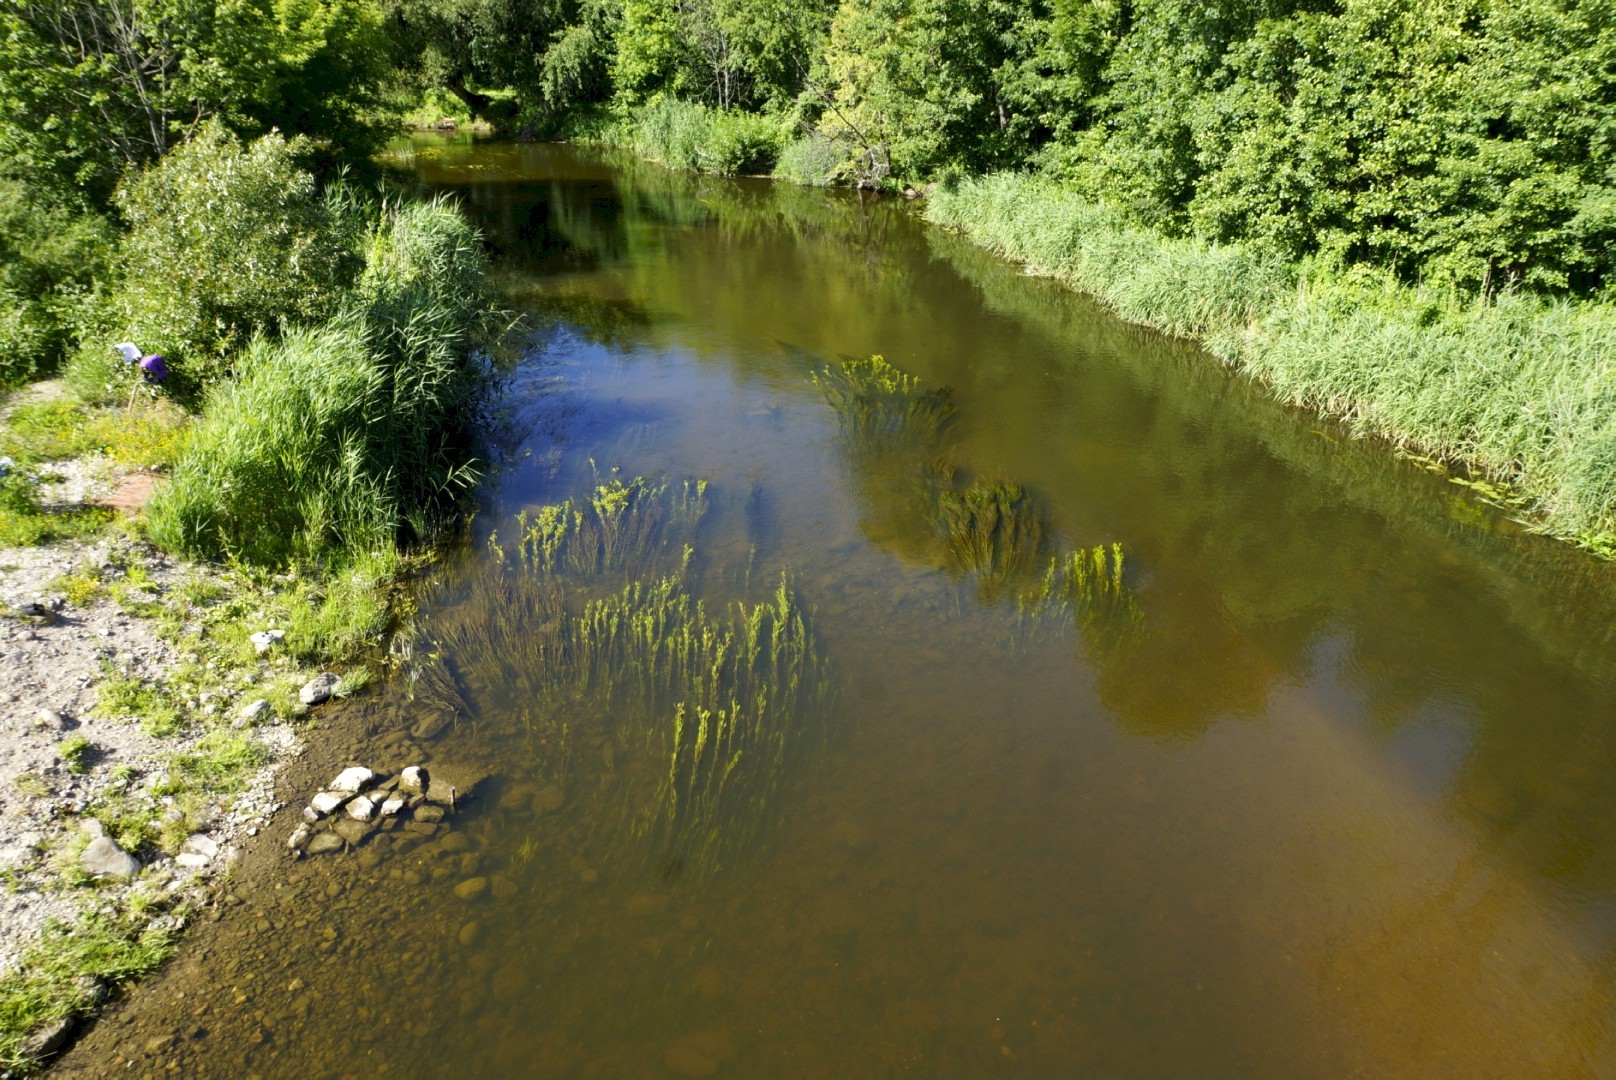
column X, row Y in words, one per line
column 1319, row 780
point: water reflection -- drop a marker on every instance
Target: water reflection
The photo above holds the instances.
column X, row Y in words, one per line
column 1327, row 784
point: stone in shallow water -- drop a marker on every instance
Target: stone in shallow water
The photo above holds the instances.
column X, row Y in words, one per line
column 350, row 780
column 549, row 799
column 429, row 813
column 325, row 802
column 352, row 831
column 361, row 808
column 471, row 888
column 105, row 858
column 413, row 780
column 470, row 933
column 300, row 837
column 318, row 689
column 392, row 805
column 326, row 841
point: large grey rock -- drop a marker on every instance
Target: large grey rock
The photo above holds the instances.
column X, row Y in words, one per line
column 325, row 842
column 104, row 858
column 324, row 803
column 318, row 689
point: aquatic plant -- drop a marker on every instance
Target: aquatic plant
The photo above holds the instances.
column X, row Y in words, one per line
column 705, row 705
column 878, row 406
column 995, row 531
column 1087, row 587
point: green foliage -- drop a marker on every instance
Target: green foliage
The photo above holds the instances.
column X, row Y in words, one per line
column 122, row 82
column 24, row 522
column 344, row 438
column 52, row 259
column 687, row 135
column 1518, row 388
column 226, row 242
column 47, row 984
column 75, row 750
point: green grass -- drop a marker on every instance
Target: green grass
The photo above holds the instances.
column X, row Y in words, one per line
column 689, row 135
column 50, row 981
column 1516, row 393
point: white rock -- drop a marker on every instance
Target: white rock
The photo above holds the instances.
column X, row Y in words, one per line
column 413, row 780
column 255, row 711
column 361, row 808
column 191, row 859
column 265, row 640
column 325, row 802
column 92, row 827
column 351, row 780
column 393, row 804
column 299, row 837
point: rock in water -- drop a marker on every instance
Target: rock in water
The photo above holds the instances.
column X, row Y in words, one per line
column 300, row 837
column 325, row 802
column 325, row 842
column 352, row 831
column 350, row 780
column 361, row 808
column 392, row 804
column 471, row 888
column 318, row 689
column 43, row 1042
column 105, row 858
column 413, row 780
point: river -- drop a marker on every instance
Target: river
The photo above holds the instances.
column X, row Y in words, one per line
column 1139, row 726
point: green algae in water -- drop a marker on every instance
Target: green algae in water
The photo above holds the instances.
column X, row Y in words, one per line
column 706, row 706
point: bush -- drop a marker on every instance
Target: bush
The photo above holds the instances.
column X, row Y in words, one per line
column 226, row 242
column 687, row 135
column 341, row 439
column 815, row 160
column 52, row 260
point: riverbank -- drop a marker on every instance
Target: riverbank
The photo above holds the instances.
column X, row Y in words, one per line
column 1509, row 396
column 143, row 729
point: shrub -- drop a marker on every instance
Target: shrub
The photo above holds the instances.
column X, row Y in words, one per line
column 336, row 440
column 815, row 160
column 226, row 242
column 52, row 259
column 688, row 135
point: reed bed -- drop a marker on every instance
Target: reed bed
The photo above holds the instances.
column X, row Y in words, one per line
column 1511, row 390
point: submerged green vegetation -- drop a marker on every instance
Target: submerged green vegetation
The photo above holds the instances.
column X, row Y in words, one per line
column 995, row 533
column 589, row 631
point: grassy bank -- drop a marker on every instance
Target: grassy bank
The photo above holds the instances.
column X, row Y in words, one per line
column 1512, row 393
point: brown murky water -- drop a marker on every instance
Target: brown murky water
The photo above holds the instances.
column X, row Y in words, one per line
column 1330, row 791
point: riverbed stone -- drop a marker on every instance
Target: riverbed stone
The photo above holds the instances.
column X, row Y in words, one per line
column 429, row 813
column 471, row 888
column 325, row 842
column 354, row 779
column 452, row 783
column 413, row 780
column 318, row 689
column 502, row 887
column 104, row 858
column 46, row 1040
column 352, row 831
column 300, row 837
column 470, row 932
column 549, row 799
column 360, row 808
column 431, row 725
column 325, row 802
column 391, row 805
